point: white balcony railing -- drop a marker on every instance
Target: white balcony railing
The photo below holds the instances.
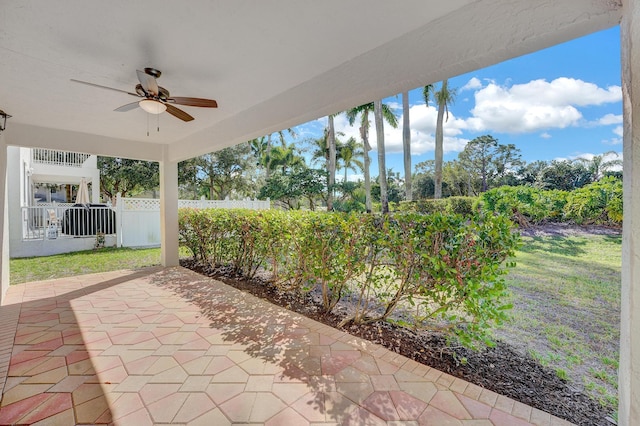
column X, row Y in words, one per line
column 58, row 158
column 61, row 220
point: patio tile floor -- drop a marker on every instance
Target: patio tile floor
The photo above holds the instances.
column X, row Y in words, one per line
column 124, row 348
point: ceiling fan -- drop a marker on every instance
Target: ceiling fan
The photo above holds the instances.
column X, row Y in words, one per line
column 156, row 99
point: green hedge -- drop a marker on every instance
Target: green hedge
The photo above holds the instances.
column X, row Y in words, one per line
column 597, row 203
column 441, row 271
column 451, row 205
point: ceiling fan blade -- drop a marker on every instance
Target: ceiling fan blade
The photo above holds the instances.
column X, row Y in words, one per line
column 148, row 82
column 178, row 113
column 127, row 107
column 196, row 102
column 105, row 87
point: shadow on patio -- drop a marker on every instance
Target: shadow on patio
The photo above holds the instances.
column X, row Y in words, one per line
column 171, row 346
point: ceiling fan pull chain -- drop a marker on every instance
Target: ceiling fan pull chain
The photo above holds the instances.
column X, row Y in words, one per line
column 158, row 116
column 147, row 125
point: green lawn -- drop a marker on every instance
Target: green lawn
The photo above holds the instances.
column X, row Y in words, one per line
column 566, row 296
column 84, row 262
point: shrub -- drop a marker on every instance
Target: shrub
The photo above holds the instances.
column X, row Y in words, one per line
column 451, row 205
column 597, row 203
column 442, row 270
column 525, row 204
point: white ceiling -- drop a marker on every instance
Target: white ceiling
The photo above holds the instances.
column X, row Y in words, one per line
column 270, row 64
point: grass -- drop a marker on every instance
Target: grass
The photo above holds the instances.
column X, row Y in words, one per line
column 79, row 263
column 566, row 296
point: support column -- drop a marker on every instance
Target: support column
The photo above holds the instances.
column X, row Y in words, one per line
column 629, row 371
column 169, row 211
column 4, row 222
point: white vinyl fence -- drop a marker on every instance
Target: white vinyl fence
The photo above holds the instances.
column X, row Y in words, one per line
column 134, row 222
column 138, row 219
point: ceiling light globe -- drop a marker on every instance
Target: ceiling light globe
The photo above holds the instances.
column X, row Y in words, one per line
column 152, row 106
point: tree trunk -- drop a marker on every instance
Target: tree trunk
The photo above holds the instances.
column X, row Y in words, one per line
column 267, row 165
column 406, row 145
column 439, row 143
column 364, row 132
column 382, row 167
column 331, row 141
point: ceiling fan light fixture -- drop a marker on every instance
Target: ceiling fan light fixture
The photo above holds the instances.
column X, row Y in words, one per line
column 152, row 106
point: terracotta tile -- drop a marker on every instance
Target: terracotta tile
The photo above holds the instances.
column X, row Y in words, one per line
column 422, row 391
column 153, row 392
column 540, row 418
column 70, row 383
column 488, row 397
column 126, row 404
column 238, row 408
column 311, row 406
column 196, row 384
column 58, row 403
column 287, row 417
column 231, row 375
column 386, row 382
column 473, row 391
column 51, row 376
column 91, row 410
column 408, row 407
column 478, row 410
column 521, row 411
column 504, row 404
column 356, row 392
column 138, row 418
column 459, row 386
column 23, row 391
column 447, row 402
column 500, row 418
column 12, row 413
column 213, row 417
column 361, row 417
column 63, row 418
column 381, row 404
column 434, row 417
column 265, row 406
column 86, row 392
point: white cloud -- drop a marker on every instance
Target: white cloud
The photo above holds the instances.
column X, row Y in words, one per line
column 536, row 105
column 423, row 127
column 618, row 131
column 610, row 119
column 617, row 140
column 545, row 135
column 472, row 84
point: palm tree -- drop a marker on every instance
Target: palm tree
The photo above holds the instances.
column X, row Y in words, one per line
column 598, row 166
column 284, row 157
column 444, row 97
column 269, row 147
column 331, row 163
column 406, row 145
column 348, row 153
column 380, row 115
column 363, row 111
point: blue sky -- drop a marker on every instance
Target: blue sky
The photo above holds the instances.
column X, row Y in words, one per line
column 559, row 103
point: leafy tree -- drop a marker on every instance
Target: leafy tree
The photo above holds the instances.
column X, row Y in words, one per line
column 126, row 176
column 225, row 171
column 288, row 188
column 188, row 182
column 490, row 162
column 331, row 161
column 444, row 97
column 564, row 175
column 529, row 174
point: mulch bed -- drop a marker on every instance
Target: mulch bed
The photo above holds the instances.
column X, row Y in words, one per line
column 501, row 369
